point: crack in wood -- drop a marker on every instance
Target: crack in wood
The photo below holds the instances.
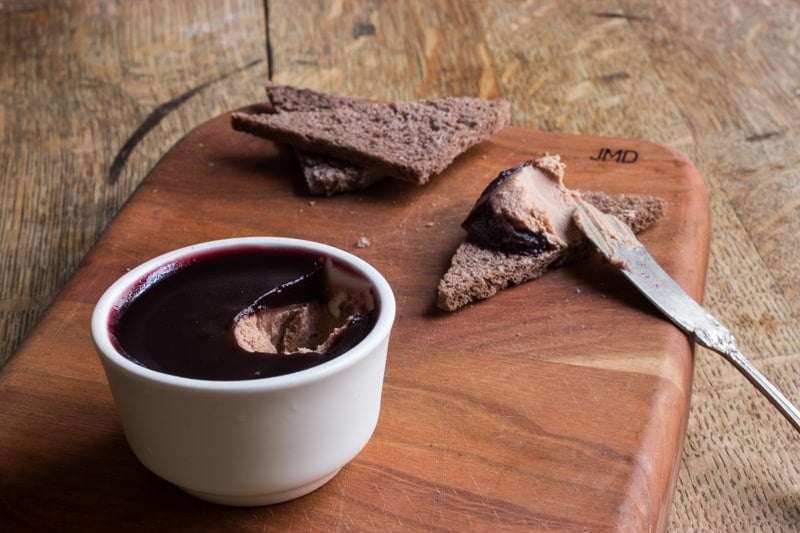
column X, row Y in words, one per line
column 611, row 15
column 763, row 136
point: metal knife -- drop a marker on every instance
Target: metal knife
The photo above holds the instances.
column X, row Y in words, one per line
column 617, row 243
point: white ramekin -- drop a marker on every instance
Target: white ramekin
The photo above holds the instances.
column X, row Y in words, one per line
column 249, row 442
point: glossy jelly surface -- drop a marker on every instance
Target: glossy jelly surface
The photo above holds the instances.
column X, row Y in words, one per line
column 179, row 319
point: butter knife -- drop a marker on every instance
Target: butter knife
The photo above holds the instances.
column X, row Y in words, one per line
column 617, row 243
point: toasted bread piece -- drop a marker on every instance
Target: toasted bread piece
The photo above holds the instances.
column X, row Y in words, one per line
column 477, row 273
column 324, row 175
column 410, row 141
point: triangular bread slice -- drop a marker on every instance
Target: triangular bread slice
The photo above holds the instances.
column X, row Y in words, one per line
column 409, row 141
column 477, row 273
column 324, row 175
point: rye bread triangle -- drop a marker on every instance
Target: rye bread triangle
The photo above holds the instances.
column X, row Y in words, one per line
column 409, row 141
column 324, row 175
column 478, row 272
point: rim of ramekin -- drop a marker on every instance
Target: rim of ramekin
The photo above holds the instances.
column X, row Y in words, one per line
column 115, row 294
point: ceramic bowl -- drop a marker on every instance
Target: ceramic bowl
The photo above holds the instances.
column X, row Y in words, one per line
column 256, row 441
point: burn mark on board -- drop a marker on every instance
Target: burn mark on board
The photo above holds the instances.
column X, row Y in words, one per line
column 156, row 116
column 614, row 76
column 763, row 136
column 612, row 15
column 363, row 29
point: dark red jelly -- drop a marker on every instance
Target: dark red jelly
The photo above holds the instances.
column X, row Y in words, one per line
column 179, row 320
column 488, row 228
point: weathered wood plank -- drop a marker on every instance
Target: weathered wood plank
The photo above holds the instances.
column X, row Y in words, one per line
column 91, row 95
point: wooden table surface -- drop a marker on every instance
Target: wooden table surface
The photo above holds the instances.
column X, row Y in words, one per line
column 93, row 94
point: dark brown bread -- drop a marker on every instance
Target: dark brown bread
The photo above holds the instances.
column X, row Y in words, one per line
column 326, row 176
column 637, row 211
column 410, row 141
column 288, row 99
column 477, row 273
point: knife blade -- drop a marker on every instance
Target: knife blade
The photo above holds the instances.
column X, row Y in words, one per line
column 618, row 244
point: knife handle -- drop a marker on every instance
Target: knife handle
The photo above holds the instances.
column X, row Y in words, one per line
column 764, row 385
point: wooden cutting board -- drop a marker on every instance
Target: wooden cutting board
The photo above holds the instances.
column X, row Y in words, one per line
column 560, row 403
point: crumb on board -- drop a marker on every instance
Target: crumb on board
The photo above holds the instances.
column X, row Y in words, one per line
column 363, row 242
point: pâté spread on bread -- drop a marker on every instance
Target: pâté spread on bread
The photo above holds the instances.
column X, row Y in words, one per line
column 526, row 209
column 521, row 226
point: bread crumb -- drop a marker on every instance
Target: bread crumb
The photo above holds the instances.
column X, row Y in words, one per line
column 363, row 242
column 312, row 203
column 430, row 224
